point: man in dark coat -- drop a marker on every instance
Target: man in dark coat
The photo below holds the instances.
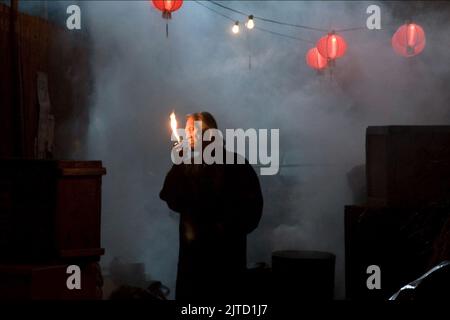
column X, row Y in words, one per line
column 219, row 204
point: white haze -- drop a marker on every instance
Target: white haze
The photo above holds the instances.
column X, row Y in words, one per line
column 140, row 76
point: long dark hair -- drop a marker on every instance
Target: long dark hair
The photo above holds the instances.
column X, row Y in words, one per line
column 207, row 119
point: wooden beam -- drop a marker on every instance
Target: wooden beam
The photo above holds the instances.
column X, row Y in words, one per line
column 17, row 106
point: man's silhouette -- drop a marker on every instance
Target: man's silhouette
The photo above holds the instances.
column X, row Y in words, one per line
column 219, row 204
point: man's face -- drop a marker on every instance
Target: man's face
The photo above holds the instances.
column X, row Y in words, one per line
column 193, row 134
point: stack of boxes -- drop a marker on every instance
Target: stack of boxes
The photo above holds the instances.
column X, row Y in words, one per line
column 408, row 198
column 49, row 220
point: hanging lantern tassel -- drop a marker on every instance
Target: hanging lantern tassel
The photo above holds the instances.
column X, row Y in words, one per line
column 167, row 28
column 167, row 7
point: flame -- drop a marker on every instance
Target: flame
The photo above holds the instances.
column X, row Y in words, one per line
column 173, row 125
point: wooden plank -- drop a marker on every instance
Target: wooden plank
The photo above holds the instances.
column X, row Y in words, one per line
column 83, row 171
column 78, row 253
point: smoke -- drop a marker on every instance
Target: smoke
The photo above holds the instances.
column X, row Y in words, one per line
column 140, row 76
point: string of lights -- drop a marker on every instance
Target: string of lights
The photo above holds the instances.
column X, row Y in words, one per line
column 265, row 19
column 281, row 22
column 407, row 41
column 236, row 27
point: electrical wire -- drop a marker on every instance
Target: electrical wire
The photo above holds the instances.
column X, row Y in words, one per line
column 290, row 24
column 389, row 25
column 351, row 29
column 283, row 35
column 276, row 22
column 283, row 23
column 228, row 8
column 266, row 19
column 258, row 28
column 215, row 11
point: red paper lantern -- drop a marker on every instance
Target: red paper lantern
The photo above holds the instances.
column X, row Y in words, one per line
column 315, row 60
column 332, row 46
column 167, row 6
column 409, row 40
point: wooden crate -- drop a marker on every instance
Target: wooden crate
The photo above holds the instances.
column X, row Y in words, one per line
column 408, row 166
column 49, row 209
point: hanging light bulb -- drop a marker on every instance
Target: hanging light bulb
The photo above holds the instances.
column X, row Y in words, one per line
column 250, row 22
column 235, row 28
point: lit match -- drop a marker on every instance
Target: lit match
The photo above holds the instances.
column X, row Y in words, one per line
column 173, row 125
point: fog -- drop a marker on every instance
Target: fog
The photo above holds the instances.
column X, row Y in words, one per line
column 140, row 76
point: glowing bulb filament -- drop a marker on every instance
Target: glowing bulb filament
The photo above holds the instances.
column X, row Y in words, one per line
column 250, row 22
column 235, row 28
